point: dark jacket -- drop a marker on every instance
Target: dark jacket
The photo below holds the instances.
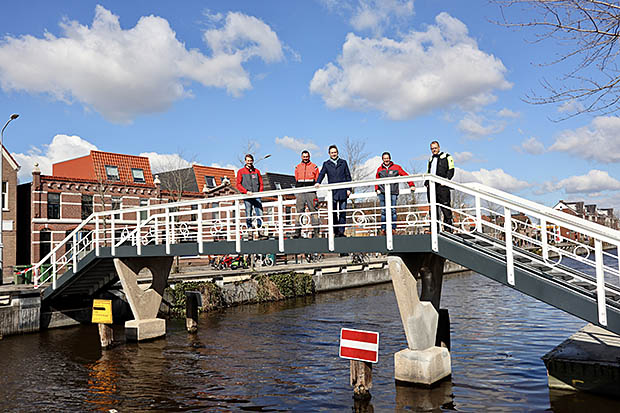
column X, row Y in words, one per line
column 390, row 171
column 445, row 166
column 249, row 180
column 338, row 172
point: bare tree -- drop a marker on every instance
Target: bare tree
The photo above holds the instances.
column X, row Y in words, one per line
column 250, row 147
column 590, row 30
column 176, row 174
column 355, row 154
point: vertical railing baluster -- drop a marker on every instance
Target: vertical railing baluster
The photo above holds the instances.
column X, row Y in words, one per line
column 434, row 218
column 238, row 227
column 167, row 230
column 388, row 217
column 228, row 223
column 543, row 239
column 600, row 282
column 478, row 214
column 156, row 226
column 113, row 234
column 138, row 235
column 54, row 270
column 199, row 235
column 330, row 220
column 280, row 223
column 74, row 251
column 97, row 235
column 510, row 269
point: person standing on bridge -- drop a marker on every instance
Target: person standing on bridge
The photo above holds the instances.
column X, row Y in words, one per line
column 389, row 169
column 442, row 165
column 306, row 174
column 249, row 180
column 337, row 170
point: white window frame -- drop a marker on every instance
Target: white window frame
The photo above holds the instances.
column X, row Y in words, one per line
column 210, row 180
column 137, row 179
column 5, row 196
column 110, row 177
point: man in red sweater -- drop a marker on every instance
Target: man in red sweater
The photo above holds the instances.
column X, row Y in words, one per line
column 249, row 180
column 306, row 174
column 389, row 169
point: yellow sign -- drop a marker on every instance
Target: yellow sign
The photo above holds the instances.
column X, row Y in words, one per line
column 102, row 311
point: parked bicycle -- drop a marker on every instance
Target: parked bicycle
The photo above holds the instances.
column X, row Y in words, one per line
column 314, row 257
column 360, row 258
column 264, row 260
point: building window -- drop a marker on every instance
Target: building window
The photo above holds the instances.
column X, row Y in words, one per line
column 277, row 185
column 45, row 243
column 144, row 214
column 116, row 204
column 53, row 205
column 87, row 206
column 194, row 217
column 138, row 175
column 5, row 195
column 112, row 173
column 210, row 181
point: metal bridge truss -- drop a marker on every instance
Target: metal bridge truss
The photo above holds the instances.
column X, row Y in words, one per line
column 566, row 261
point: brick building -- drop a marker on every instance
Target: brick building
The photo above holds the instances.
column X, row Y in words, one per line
column 99, row 181
column 9, row 211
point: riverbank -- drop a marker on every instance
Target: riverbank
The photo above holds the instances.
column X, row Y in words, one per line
column 21, row 310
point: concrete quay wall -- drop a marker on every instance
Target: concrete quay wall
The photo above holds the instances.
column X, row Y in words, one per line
column 21, row 310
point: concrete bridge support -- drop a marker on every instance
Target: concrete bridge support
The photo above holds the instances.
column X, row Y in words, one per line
column 144, row 303
column 422, row 362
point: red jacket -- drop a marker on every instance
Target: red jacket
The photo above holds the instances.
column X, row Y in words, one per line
column 306, row 174
column 390, row 171
column 249, row 180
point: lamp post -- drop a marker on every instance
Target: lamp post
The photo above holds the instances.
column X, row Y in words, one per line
column 12, row 118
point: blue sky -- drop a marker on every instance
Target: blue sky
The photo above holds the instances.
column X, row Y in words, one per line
column 205, row 79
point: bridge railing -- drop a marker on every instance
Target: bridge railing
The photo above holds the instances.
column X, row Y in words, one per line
column 515, row 226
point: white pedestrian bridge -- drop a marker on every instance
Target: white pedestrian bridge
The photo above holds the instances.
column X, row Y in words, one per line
column 565, row 261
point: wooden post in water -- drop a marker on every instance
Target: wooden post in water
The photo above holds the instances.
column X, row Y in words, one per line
column 361, row 379
column 106, row 335
column 193, row 300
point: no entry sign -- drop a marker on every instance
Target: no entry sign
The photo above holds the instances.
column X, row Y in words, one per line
column 359, row 345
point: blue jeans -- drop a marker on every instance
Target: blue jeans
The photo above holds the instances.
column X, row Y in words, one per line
column 256, row 205
column 393, row 198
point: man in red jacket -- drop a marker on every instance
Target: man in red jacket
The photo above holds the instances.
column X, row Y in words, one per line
column 249, row 180
column 306, row 174
column 389, row 169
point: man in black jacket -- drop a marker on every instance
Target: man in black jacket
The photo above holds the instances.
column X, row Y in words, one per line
column 337, row 170
column 441, row 164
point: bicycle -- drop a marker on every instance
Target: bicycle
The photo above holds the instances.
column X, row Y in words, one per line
column 359, row 258
column 314, row 257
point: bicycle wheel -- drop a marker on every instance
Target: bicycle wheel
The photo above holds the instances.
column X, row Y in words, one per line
column 267, row 261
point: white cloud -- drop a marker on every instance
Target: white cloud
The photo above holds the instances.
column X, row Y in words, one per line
column 462, row 157
column 144, row 69
column 594, row 181
column 507, row 113
column 161, row 162
column 295, row 144
column 375, row 15
column 597, row 141
column 473, row 126
column 62, row 148
column 225, row 166
column 532, row 146
column 437, row 68
column 571, row 106
column 495, row 178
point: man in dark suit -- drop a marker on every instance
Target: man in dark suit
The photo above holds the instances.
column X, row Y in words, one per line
column 337, row 170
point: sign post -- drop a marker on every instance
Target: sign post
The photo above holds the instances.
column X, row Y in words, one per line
column 362, row 348
column 102, row 315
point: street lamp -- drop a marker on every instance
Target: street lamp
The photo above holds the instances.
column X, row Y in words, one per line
column 264, row 157
column 12, row 118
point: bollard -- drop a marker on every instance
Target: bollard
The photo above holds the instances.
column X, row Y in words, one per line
column 193, row 300
column 361, row 379
column 106, row 335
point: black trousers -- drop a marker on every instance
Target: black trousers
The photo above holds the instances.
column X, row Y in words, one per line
column 443, row 202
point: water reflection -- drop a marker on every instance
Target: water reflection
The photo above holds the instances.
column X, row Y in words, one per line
column 419, row 399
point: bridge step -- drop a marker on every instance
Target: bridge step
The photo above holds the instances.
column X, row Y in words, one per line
column 612, row 296
column 465, row 236
column 585, row 285
column 483, row 243
column 561, row 276
column 541, row 267
column 522, row 259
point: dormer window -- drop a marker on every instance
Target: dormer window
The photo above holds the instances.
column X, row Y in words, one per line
column 112, row 173
column 277, row 185
column 210, row 181
column 138, row 175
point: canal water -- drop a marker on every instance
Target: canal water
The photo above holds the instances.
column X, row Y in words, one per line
column 284, row 357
